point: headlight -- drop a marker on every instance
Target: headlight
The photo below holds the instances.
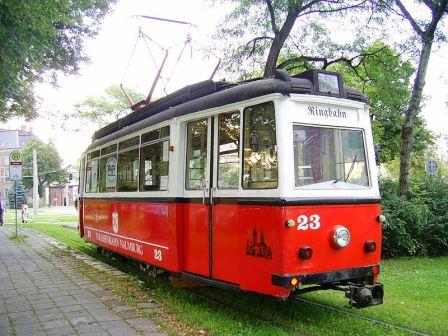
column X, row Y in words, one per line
column 341, row 237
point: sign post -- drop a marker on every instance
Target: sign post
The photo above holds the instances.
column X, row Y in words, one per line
column 15, row 174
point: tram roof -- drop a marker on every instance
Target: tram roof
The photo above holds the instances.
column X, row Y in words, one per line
column 209, row 94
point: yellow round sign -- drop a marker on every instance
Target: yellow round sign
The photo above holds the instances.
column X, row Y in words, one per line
column 16, row 156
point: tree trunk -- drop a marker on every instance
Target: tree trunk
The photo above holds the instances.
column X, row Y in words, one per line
column 278, row 42
column 411, row 115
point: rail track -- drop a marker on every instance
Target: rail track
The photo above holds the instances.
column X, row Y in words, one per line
column 255, row 316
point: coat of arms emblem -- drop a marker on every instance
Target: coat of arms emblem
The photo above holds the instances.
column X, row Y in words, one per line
column 115, row 221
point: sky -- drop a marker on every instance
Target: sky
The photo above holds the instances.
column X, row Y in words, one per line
column 111, row 63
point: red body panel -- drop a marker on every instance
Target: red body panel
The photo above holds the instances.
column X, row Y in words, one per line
column 227, row 243
column 249, row 242
column 360, row 220
column 81, row 216
column 195, row 242
column 150, row 232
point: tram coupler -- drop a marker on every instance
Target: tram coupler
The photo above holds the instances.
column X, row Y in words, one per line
column 365, row 295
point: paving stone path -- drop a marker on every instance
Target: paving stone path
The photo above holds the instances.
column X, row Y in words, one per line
column 42, row 293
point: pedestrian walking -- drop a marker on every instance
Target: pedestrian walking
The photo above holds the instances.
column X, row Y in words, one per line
column 2, row 210
column 24, row 213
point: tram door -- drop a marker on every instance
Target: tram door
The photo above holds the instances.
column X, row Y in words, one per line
column 212, row 172
column 197, row 212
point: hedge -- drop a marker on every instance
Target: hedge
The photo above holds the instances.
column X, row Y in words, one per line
column 419, row 226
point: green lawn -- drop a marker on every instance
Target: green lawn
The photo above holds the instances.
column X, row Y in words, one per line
column 416, row 297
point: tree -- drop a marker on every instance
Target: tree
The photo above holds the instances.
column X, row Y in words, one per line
column 427, row 33
column 22, row 197
column 49, row 165
column 102, row 109
column 271, row 22
column 382, row 74
column 39, row 38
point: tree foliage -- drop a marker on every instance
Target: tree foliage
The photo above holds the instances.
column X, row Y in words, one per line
column 106, row 108
column 266, row 25
column 427, row 32
column 22, row 196
column 41, row 37
column 49, row 165
column 381, row 73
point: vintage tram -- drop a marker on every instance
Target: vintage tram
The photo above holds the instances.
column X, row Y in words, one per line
column 268, row 186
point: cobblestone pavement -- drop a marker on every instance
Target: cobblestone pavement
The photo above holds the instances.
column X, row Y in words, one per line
column 41, row 293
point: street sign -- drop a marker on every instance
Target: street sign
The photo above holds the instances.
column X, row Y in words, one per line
column 15, row 166
column 431, row 167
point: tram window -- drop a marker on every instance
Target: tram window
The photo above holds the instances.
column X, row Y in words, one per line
column 260, row 147
column 127, row 172
column 129, row 143
column 109, row 150
column 151, row 136
column 228, row 150
column 92, row 176
column 93, row 155
column 165, row 132
column 154, row 166
column 82, row 174
column 108, row 173
column 196, row 155
column 329, row 158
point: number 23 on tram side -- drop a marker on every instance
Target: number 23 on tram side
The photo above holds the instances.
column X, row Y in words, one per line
column 268, row 186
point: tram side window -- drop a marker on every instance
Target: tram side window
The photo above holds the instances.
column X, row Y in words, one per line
column 260, row 147
column 82, row 174
column 228, row 150
column 92, row 172
column 154, row 166
column 108, row 169
column 127, row 170
column 196, row 155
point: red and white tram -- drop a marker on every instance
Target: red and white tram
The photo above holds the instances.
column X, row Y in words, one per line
column 265, row 186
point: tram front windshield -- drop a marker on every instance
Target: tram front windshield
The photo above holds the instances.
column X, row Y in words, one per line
column 329, row 158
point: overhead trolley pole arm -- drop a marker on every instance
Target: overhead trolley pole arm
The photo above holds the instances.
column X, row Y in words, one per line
column 148, row 99
column 131, row 103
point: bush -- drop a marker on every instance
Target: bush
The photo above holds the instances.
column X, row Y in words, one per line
column 434, row 192
column 404, row 222
column 419, row 226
